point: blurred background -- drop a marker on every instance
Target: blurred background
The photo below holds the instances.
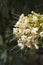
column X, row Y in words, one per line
column 10, row 54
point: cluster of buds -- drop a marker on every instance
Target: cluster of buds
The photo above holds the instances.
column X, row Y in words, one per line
column 28, row 29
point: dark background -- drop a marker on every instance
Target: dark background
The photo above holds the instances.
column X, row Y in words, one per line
column 10, row 10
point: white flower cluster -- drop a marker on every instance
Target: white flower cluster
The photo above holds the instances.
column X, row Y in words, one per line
column 28, row 29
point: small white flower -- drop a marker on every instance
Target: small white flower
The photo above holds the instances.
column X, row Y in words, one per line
column 26, row 20
column 41, row 24
column 23, row 38
column 34, row 30
column 30, row 37
column 36, row 46
column 17, row 24
column 27, row 31
column 32, row 11
column 22, row 15
column 20, row 31
column 21, row 45
column 14, row 30
column 28, row 45
column 35, row 18
column 41, row 34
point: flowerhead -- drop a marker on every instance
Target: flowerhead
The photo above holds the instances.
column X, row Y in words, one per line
column 28, row 29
